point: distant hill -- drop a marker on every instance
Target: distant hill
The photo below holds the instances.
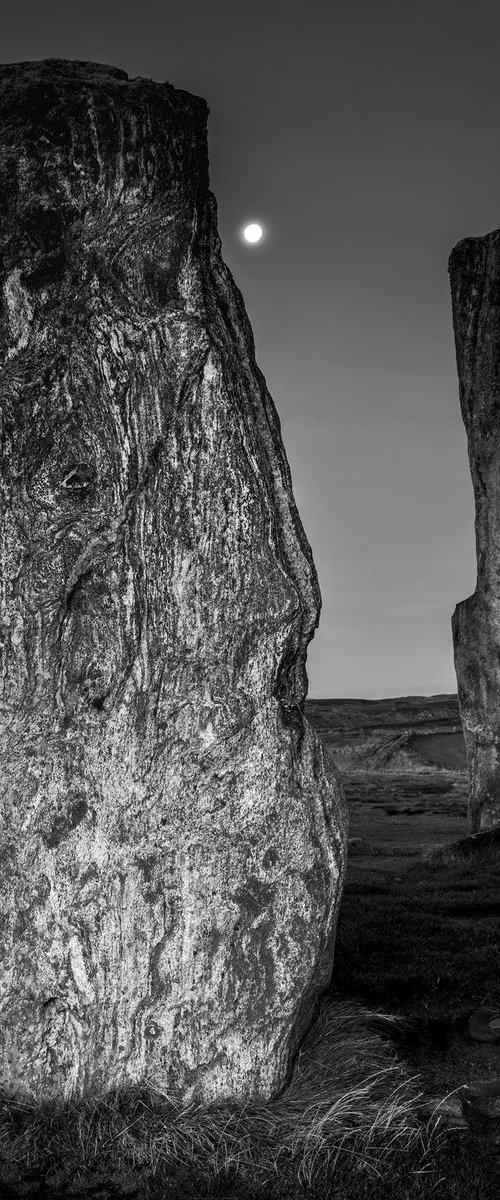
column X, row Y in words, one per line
column 394, row 733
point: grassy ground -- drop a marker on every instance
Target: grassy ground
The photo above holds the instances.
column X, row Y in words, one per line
column 425, row 940
column 350, row 1100
column 421, row 939
column 415, row 940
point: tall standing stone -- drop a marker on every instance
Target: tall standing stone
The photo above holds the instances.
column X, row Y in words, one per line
column 172, row 848
column 475, row 287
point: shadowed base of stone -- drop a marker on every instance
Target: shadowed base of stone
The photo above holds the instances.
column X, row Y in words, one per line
column 349, row 1095
column 483, row 1025
column 481, row 1109
column 475, row 1107
column 468, row 849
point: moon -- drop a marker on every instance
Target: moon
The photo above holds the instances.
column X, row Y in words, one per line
column 252, row 232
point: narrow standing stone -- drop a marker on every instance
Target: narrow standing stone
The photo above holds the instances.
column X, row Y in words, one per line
column 475, row 287
column 172, row 849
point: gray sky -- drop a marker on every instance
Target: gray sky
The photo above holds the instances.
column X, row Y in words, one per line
column 363, row 135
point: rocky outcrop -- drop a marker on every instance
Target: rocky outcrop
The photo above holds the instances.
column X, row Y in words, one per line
column 475, row 286
column 172, row 847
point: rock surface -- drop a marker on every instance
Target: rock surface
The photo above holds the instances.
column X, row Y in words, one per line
column 475, row 287
column 484, row 1025
column 172, row 847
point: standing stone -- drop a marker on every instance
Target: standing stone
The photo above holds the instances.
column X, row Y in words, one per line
column 172, row 849
column 475, row 287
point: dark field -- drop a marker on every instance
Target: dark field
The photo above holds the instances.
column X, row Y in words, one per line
column 417, row 940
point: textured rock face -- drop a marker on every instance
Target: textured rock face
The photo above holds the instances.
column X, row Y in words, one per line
column 475, row 286
column 172, row 850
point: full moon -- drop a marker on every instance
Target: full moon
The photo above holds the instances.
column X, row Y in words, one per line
column 252, row 233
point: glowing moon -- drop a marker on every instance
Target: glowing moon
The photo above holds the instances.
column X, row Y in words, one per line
column 252, row 233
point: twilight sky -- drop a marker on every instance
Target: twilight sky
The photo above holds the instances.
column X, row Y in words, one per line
column 363, row 136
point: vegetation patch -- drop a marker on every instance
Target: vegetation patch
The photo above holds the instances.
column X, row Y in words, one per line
column 349, row 1098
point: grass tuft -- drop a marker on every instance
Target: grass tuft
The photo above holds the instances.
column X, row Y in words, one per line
column 349, row 1098
column 477, row 847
